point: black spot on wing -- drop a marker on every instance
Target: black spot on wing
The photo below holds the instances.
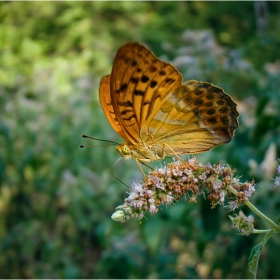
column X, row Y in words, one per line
column 130, row 118
column 223, row 110
column 198, row 92
column 220, row 102
column 205, row 86
column 153, row 84
column 133, row 63
column 126, row 104
column 169, row 80
column 196, row 112
column 211, row 112
column 210, row 96
column 134, row 80
column 209, row 104
column 152, row 69
column 212, row 120
column 123, row 87
column 158, row 96
column 145, row 79
column 124, row 112
column 139, row 92
column 224, row 120
column 198, row 102
column 188, row 98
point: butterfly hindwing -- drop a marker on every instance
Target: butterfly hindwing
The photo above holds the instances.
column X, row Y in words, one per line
column 195, row 117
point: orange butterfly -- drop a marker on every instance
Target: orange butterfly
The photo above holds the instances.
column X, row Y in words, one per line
column 146, row 103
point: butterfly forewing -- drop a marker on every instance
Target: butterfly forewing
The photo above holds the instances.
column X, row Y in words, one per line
column 108, row 108
column 139, row 84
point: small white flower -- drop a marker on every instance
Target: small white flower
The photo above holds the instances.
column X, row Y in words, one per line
column 132, row 197
column 202, row 176
column 169, row 199
column 149, row 192
column 137, row 187
column 250, row 191
column 217, row 184
column 250, row 219
column 251, row 188
column 192, row 160
column 140, row 216
column 155, row 180
column 153, row 209
column 218, row 168
column 163, row 170
column 232, row 205
column 161, row 186
column 188, row 172
column 235, row 180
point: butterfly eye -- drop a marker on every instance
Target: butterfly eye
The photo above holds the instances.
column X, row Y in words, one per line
column 126, row 150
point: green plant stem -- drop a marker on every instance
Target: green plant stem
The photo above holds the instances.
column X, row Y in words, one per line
column 262, row 231
column 255, row 210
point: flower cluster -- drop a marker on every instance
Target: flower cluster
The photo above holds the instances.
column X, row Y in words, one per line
column 244, row 225
column 190, row 178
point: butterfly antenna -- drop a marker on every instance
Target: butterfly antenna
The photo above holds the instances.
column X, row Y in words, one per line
column 82, row 146
column 118, row 179
column 85, row 136
column 111, row 171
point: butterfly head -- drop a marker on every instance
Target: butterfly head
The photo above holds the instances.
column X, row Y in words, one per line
column 124, row 151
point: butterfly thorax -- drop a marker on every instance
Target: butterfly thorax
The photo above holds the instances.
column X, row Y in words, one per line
column 141, row 152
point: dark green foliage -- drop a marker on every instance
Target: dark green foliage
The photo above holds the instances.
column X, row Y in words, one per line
column 56, row 199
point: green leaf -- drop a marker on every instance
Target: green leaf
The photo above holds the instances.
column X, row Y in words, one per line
column 256, row 252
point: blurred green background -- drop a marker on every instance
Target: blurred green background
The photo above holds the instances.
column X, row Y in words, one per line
column 56, row 199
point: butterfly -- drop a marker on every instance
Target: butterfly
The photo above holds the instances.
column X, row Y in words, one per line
column 156, row 114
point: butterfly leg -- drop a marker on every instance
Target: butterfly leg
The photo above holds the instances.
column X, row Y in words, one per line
column 141, row 170
column 163, row 149
column 151, row 136
column 185, row 162
column 163, row 153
